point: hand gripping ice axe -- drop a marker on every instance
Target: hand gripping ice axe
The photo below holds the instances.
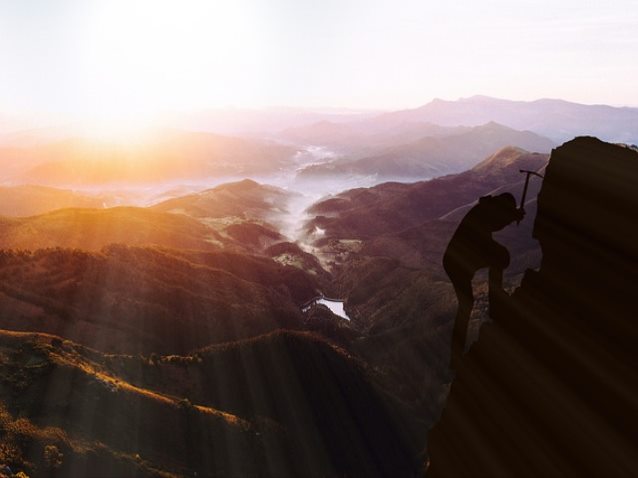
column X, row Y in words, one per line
column 527, row 175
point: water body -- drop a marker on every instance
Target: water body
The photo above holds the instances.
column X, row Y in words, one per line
column 335, row 306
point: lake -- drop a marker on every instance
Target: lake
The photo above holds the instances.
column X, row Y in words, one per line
column 336, row 306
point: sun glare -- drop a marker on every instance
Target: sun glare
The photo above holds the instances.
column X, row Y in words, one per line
column 119, row 130
column 147, row 56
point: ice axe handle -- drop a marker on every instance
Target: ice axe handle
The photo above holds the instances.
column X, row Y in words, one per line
column 527, row 175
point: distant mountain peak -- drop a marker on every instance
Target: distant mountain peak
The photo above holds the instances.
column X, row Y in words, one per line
column 557, row 119
column 468, row 99
column 247, row 183
column 504, row 157
column 244, row 184
column 479, row 98
column 492, row 125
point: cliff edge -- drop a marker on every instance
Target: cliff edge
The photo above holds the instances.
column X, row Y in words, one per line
column 551, row 386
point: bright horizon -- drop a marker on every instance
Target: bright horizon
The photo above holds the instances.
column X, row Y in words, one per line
column 135, row 59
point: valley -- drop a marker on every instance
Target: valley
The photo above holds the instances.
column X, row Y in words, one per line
column 219, row 272
column 250, row 304
column 318, row 239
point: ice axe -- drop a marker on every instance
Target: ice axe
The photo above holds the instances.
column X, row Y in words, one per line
column 527, row 175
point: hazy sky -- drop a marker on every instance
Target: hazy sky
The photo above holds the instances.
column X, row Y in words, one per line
column 110, row 57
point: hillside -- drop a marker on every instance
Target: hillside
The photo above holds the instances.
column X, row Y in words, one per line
column 391, row 207
column 246, row 213
column 27, row 200
column 245, row 199
column 189, row 310
column 434, row 156
column 233, row 218
column 384, row 246
column 325, row 399
column 149, row 300
column 67, row 410
column 92, row 229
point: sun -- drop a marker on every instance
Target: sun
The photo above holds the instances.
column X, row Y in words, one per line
column 142, row 57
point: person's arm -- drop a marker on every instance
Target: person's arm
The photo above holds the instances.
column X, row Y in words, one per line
column 519, row 214
column 499, row 256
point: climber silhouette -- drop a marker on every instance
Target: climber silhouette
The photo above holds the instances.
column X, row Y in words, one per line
column 472, row 248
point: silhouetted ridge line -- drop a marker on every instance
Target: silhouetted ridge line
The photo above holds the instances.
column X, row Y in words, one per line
column 551, row 387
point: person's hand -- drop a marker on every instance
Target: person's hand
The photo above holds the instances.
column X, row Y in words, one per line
column 520, row 214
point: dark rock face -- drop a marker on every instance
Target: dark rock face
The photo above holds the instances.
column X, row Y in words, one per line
column 551, row 387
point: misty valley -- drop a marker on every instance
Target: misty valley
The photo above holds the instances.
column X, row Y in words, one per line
column 264, row 294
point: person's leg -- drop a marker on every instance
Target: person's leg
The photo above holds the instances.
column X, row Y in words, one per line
column 465, row 297
column 499, row 260
column 495, row 280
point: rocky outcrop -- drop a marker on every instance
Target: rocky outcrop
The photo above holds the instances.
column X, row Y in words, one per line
column 551, row 387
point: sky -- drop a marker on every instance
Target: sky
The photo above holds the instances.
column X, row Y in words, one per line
column 139, row 57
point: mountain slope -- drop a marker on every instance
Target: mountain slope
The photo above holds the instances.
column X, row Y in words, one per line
column 246, row 199
column 384, row 245
column 92, row 229
column 556, row 119
column 245, row 212
column 308, row 409
column 63, row 396
column 390, row 207
column 149, row 300
column 435, row 156
column 27, row 200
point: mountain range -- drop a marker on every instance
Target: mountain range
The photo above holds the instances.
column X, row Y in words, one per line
column 391, row 207
column 163, row 156
column 383, row 246
column 183, row 335
column 433, row 156
column 556, row 119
